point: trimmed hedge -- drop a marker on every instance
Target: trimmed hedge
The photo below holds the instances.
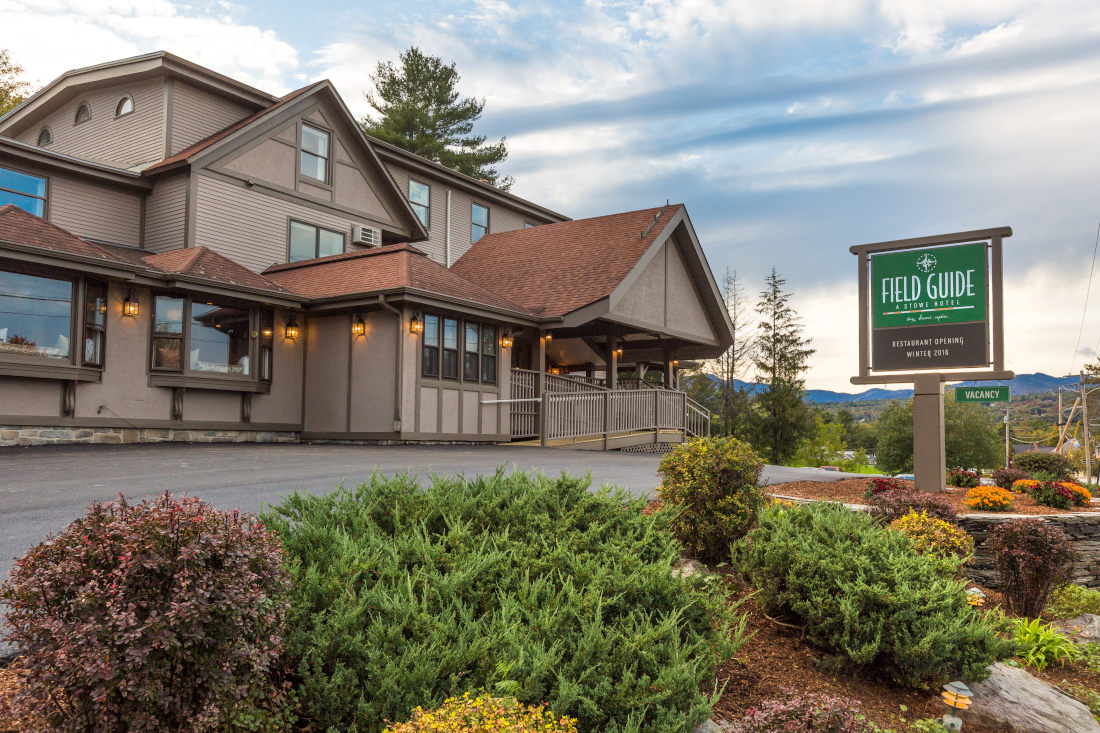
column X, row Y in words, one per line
column 522, row 586
column 864, row 594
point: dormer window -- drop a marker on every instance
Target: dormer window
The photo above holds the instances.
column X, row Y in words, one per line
column 315, row 152
column 125, row 106
column 83, row 114
column 45, row 137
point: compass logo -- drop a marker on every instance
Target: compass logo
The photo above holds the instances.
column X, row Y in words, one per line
column 927, row 262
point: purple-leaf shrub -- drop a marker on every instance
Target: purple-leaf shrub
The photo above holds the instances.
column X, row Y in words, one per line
column 1006, row 477
column 896, row 503
column 1032, row 557
column 809, row 713
column 163, row 615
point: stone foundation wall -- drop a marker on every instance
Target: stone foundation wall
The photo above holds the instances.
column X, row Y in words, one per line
column 16, row 435
column 1083, row 531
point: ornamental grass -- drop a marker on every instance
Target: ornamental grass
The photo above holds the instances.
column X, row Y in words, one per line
column 988, row 499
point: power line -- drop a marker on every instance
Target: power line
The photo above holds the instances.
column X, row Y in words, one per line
column 1085, row 310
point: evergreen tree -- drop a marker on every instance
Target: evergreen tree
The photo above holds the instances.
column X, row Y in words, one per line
column 780, row 418
column 13, row 90
column 420, row 110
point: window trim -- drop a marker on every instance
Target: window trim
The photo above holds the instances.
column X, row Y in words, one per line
column 45, row 131
column 76, row 115
column 118, row 105
column 86, row 325
column 488, row 221
column 291, row 221
column 44, row 199
column 427, row 207
column 305, row 177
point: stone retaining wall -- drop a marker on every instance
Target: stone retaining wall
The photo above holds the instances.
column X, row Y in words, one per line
column 17, row 435
column 1083, row 531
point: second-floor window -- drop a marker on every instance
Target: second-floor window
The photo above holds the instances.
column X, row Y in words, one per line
column 315, row 153
column 308, row 241
column 420, row 198
column 479, row 222
column 25, row 191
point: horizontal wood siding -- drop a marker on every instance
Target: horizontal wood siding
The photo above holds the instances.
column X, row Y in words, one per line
column 165, row 214
column 135, row 139
column 95, row 211
column 250, row 227
column 197, row 114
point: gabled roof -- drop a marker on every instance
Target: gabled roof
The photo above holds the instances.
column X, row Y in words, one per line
column 395, row 267
column 555, row 269
column 25, row 230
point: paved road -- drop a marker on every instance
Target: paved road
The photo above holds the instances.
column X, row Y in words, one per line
column 44, row 488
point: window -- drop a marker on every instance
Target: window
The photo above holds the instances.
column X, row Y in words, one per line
column 267, row 336
column 420, row 198
column 83, row 114
column 45, row 137
column 450, row 348
column 220, row 339
column 528, row 225
column 470, row 367
column 168, row 332
column 26, row 192
column 95, row 323
column 216, row 337
column 314, row 157
column 479, row 222
column 36, row 315
column 430, row 357
column 489, row 354
column 125, row 106
column 308, row 241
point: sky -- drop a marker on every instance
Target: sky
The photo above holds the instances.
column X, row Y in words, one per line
column 790, row 129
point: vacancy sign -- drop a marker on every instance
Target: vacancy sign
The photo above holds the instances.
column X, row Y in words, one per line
column 929, row 308
column 981, row 394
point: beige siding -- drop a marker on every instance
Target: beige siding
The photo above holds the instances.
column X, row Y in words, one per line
column 251, row 227
column 133, row 140
column 95, row 211
column 165, row 214
column 197, row 114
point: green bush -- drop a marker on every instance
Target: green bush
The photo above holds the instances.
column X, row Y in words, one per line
column 962, row 479
column 1038, row 644
column 862, row 592
column 1034, row 462
column 712, row 482
column 521, row 586
column 1072, row 600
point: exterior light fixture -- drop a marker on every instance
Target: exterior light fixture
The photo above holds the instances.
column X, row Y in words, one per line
column 130, row 305
column 292, row 329
column 358, row 326
column 267, row 332
column 548, row 337
column 506, row 341
column 956, row 696
column 675, row 362
column 416, row 325
column 555, row 370
column 102, row 307
column 618, row 352
column 975, row 597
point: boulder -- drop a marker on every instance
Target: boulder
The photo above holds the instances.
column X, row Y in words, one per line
column 1013, row 700
column 688, row 567
column 709, row 726
column 1082, row 629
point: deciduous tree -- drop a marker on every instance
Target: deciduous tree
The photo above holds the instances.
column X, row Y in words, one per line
column 972, row 436
column 13, row 89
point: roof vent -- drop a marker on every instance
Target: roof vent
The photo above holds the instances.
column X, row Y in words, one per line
column 365, row 235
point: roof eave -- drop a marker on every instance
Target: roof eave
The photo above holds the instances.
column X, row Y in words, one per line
column 78, row 166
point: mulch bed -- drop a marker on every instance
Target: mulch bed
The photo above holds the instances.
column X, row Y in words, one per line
column 850, row 491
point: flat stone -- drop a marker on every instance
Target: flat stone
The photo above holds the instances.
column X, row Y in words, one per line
column 1083, row 629
column 1013, row 700
column 709, row 726
column 687, row 567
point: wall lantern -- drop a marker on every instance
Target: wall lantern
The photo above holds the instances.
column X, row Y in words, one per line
column 416, row 325
column 548, row 337
column 130, row 305
column 618, row 352
column 675, row 362
column 956, row 696
column 267, row 332
column 292, row 329
column 555, row 370
column 358, row 326
column 506, row 341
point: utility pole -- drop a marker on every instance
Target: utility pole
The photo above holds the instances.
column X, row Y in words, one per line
column 1085, row 420
column 1008, row 443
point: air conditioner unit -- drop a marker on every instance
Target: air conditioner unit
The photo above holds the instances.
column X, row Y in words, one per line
column 369, row 236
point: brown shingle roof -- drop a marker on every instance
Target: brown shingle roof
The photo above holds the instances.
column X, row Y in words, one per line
column 555, row 269
column 204, row 263
column 222, row 134
column 21, row 227
column 392, row 267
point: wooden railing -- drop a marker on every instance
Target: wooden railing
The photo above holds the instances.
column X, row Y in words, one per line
column 696, row 419
column 524, row 404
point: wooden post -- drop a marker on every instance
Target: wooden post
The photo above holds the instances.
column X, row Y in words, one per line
column 540, row 390
column 612, row 361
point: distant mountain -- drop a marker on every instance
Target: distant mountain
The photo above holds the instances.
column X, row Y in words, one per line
column 1023, row 384
column 868, row 395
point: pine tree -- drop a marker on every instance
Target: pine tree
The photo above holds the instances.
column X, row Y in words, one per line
column 780, row 418
column 13, row 90
column 420, row 110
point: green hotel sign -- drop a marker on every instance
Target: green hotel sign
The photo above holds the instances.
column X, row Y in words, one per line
column 981, row 394
column 927, row 287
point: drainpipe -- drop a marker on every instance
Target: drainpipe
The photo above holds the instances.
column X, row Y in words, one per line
column 398, row 361
column 447, row 234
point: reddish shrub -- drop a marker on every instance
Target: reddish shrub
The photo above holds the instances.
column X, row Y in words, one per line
column 891, row 505
column 164, row 615
column 810, row 713
column 963, row 479
column 1006, row 477
column 1032, row 558
column 878, row 485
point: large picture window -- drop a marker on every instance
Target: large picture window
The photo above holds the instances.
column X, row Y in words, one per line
column 441, row 349
column 168, row 332
column 25, row 191
column 420, row 199
column 308, row 242
column 315, row 153
column 36, row 315
column 220, row 339
column 479, row 222
column 206, row 337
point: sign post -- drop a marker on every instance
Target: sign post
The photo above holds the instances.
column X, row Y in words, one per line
column 928, row 307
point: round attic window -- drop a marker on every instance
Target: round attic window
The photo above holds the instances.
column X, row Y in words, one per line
column 45, row 137
column 125, row 106
column 83, row 114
